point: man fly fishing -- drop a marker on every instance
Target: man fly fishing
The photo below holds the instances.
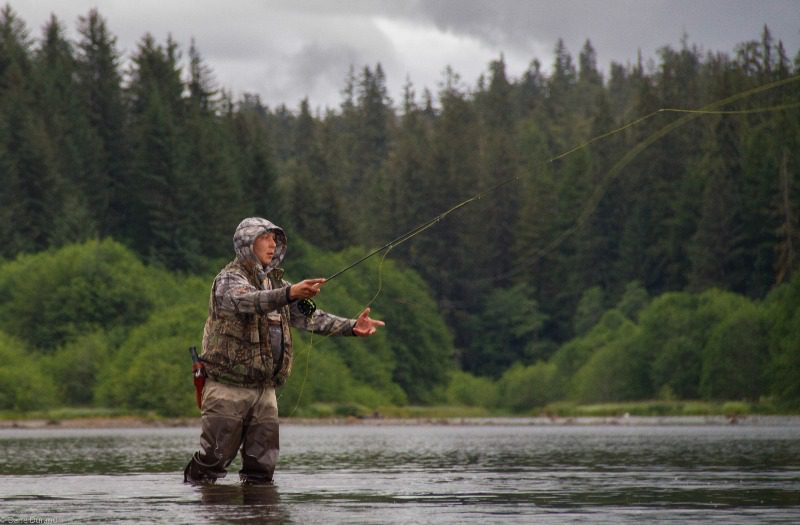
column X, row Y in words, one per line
column 247, row 353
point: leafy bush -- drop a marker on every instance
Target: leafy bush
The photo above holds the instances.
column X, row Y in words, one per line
column 672, row 335
column 320, row 376
column 633, row 300
column 505, row 332
column 76, row 366
column 23, row 385
column 415, row 351
column 589, row 310
column 736, row 356
column 152, row 370
column 782, row 311
column 53, row 296
column 523, row 388
column 575, row 353
column 469, row 390
column 617, row 371
column 676, row 328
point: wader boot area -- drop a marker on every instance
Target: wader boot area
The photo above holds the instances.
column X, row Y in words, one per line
column 235, row 417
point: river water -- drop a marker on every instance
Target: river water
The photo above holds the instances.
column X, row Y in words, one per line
column 399, row 473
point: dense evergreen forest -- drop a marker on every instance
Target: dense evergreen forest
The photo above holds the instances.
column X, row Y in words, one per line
column 635, row 254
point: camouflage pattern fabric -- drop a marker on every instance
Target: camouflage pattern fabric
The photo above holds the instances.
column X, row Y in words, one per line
column 236, row 342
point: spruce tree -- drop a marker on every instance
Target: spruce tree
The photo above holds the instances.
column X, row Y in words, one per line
column 316, row 207
column 99, row 88
column 31, row 181
column 77, row 147
column 216, row 200
column 161, row 186
column 256, row 158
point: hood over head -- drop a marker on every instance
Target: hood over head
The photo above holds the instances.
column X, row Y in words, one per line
column 244, row 237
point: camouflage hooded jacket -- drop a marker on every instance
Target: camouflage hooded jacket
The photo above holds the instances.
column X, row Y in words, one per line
column 245, row 298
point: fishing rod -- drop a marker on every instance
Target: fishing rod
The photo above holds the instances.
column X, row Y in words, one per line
column 308, row 307
column 424, row 226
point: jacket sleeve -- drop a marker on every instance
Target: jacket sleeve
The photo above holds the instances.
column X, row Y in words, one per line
column 321, row 322
column 234, row 294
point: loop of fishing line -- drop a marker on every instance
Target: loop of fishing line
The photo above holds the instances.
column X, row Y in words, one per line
column 592, row 203
column 311, row 334
column 688, row 116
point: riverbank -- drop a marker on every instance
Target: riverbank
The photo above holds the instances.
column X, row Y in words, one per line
column 625, row 420
column 654, row 412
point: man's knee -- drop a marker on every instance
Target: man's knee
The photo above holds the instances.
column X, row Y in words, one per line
column 260, row 451
column 219, row 443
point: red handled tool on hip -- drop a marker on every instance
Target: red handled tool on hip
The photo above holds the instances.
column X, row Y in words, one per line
column 199, row 375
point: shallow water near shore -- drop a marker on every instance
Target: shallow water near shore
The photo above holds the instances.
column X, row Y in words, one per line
column 740, row 474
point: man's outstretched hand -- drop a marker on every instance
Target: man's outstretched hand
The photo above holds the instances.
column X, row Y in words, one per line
column 366, row 326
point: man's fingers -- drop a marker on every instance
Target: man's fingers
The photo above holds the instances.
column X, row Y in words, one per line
column 365, row 316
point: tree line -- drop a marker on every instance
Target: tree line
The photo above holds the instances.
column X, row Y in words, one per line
column 91, row 325
column 159, row 158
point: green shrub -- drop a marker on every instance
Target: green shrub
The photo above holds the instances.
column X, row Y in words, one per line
column 23, row 385
column 76, row 365
column 56, row 295
column 617, row 371
column 736, row 357
column 152, row 370
column 414, row 351
column 322, row 377
column 469, row 390
column 782, row 310
column 575, row 353
column 523, row 388
column 676, row 328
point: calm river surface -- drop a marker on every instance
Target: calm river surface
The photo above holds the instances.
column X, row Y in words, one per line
column 734, row 474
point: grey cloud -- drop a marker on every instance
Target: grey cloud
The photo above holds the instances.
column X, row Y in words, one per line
column 618, row 28
column 287, row 49
column 319, row 67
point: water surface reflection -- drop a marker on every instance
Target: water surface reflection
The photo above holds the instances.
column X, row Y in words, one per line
column 417, row 474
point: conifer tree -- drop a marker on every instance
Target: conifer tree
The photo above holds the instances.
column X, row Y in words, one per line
column 99, row 88
column 371, row 147
column 716, row 249
column 160, row 189
column 14, row 99
column 315, row 205
column 216, row 199
column 499, row 165
column 409, row 172
column 31, row 182
column 77, row 147
column 256, row 159
column 454, row 256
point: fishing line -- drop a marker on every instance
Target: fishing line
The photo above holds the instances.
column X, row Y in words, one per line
column 689, row 115
column 311, row 334
column 594, row 200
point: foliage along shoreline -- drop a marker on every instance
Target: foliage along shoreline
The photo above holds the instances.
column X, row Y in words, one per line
column 100, row 328
column 634, row 414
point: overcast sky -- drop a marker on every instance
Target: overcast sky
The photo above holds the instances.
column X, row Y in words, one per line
column 285, row 50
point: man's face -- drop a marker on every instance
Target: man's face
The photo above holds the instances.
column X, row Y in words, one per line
column 264, row 247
